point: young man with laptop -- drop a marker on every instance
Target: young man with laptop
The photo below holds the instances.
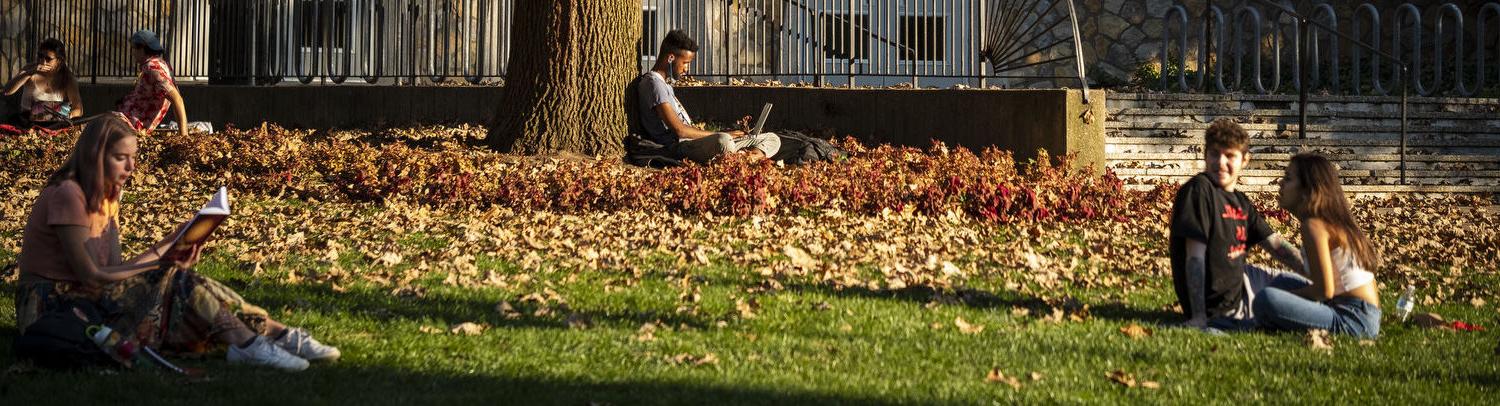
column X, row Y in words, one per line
column 668, row 124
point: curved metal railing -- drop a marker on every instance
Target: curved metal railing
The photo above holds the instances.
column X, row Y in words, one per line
column 1445, row 54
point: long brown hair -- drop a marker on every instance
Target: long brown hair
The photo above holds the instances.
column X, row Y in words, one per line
column 86, row 164
column 1323, row 198
column 63, row 77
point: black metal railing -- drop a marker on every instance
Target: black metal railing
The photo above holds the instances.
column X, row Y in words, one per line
column 429, row 41
column 1436, row 49
column 1404, row 58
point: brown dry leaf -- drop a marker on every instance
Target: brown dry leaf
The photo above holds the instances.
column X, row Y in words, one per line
column 646, row 333
column 995, row 376
column 799, row 258
column 430, row 330
column 967, row 328
column 507, row 311
column 466, row 329
column 389, row 259
column 1135, row 331
column 1121, row 377
column 1055, row 316
column 1035, row 376
column 1477, row 302
column 746, row 307
column 1318, row 339
column 1150, row 385
column 693, row 360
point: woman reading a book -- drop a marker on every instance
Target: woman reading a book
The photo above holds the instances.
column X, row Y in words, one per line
column 71, row 250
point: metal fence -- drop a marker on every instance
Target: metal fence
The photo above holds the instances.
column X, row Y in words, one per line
column 1261, row 45
column 429, row 41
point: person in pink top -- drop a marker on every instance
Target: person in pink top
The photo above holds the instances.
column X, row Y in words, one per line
column 71, row 252
column 155, row 90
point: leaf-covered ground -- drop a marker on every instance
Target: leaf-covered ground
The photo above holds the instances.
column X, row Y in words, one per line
column 848, row 299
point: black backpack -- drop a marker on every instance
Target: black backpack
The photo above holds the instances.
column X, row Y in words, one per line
column 798, row 148
column 59, row 339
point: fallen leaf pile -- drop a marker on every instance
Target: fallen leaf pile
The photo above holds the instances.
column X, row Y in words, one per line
column 408, row 204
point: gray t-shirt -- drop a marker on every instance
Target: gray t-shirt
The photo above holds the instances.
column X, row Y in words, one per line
column 654, row 92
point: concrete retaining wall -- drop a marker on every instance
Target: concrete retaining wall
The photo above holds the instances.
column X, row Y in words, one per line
column 1017, row 120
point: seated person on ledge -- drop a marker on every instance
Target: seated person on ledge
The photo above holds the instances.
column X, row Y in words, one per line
column 668, row 124
column 1213, row 227
column 49, row 90
column 155, row 90
column 70, row 250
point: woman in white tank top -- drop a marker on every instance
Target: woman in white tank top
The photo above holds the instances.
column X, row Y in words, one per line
column 49, row 89
column 1339, row 294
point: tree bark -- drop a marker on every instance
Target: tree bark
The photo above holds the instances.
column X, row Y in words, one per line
column 570, row 63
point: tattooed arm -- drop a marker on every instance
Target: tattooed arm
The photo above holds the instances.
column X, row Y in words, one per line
column 1285, row 252
column 1197, row 277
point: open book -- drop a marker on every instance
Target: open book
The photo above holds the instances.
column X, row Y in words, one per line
column 202, row 227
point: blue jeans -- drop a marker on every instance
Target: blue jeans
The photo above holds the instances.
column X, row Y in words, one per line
column 1277, row 307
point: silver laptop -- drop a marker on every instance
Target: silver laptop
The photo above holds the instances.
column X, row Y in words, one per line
column 760, row 122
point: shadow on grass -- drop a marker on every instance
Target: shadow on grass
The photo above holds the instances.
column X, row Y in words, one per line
column 980, row 299
column 349, row 384
column 974, row 298
column 475, row 306
column 1123, row 312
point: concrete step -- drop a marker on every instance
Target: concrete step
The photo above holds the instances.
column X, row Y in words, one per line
column 1336, row 157
column 1263, row 173
column 1392, row 104
column 1290, row 129
column 1473, row 142
column 1269, row 181
column 1452, row 144
column 1360, row 190
column 1324, row 117
column 1257, row 149
column 1345, row 161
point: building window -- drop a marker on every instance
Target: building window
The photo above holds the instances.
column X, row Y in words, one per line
column 650, row 40
column 836, row 35
column 923, row 38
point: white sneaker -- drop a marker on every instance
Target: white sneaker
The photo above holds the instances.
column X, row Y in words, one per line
column 262, row 352
column 298, row 342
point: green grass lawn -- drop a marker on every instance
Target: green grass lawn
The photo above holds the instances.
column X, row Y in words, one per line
column 803, row 343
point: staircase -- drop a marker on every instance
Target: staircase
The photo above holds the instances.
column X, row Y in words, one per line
column 1453, row 144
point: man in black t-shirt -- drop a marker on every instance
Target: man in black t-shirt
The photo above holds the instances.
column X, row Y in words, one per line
column 1213, row 226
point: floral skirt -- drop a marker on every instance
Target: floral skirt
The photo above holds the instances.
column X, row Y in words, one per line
column 173, row 310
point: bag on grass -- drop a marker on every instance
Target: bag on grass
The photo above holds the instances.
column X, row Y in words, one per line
column 59, row 338
column 798, row 148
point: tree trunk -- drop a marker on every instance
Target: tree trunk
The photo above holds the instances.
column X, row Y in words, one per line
column 569, row 66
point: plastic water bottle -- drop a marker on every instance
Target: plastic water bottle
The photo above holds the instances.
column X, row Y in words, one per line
column 1405, row 304
column 113, row 344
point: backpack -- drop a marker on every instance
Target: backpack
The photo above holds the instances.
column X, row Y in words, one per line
column 643, row 152
column 798, row 148
column 59, row 338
